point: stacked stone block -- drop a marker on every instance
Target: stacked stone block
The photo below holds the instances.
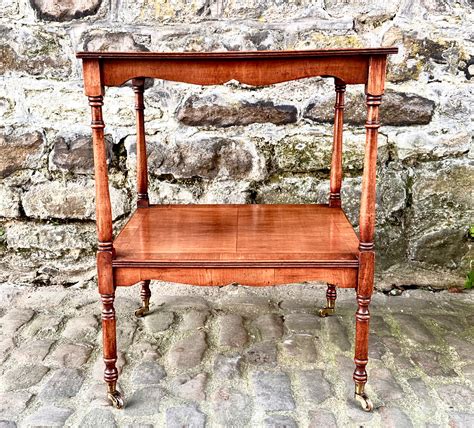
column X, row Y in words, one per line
column 234, row 144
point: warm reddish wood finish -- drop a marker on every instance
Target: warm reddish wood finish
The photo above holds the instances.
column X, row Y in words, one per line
column 331, row 293
column 237, row 234
column 335, row 182
column 365, row 283
column 285, row 240
column 252, row 68
column 142, row 168
column 251, row 244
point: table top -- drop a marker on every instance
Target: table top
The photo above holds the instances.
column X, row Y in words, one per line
column 308, row 53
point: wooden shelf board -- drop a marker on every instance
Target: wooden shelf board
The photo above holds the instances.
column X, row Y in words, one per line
column 237, row 236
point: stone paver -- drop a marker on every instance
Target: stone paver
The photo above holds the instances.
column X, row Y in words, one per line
column 302, row 323
column 455, row 395
column 337, row 333
column 148, row 373
column 185, row 416
column 273, row 391
column 44, row 325
column 48, row 416
column 13, row 403
column 432, row 364
column 6, row 344
column 232, row 332
column 236, row 360
column 461, row 420
column 313, row 386
column 187, row 352
column 158, row 321
column 190, row 388
column 145, row 401
column 322, row 418
column 193, row 320
column 270, row 326
column 98, row 418
column 39, row 348
column 81, row 328
column 279, row 421
column 231, row 407
column 413, row 329
column 298, row 349
column 422, row 394
column 180, row 303
column 14, row 319
column 393, row 418
column 385, row 384
column 70, row 355
column 125, row 334
column 227, row 366
column 262, row 353
column 22, row 377
column 64, row 383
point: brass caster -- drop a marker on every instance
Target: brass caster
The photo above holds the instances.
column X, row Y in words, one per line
column 364, row 401
column 142, row 311
column 326, row 312
column 116, row 399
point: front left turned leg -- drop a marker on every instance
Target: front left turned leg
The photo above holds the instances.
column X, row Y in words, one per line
column 331, row 296
column 110, row 350
column 145, row 294
column 362, row 352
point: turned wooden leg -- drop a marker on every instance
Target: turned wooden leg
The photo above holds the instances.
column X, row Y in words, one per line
column 145, row 294
column 138, row 85
column 331, row 296
column 361, row 358
column 365, row 277
column 335, row 181
column 110, row 349
column 362, row 352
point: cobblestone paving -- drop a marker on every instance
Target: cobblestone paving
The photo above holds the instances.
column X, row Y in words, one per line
column 235, row 357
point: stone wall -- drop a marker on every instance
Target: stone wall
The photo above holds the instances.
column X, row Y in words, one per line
column 234, row 143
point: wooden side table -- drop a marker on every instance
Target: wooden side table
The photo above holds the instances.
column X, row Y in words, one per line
column 250, row 244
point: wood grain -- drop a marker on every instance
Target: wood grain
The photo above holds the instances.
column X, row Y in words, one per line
column 335, row 181
column 252, row 276
column 138, row 86
column 270, row 235
column 240, row 54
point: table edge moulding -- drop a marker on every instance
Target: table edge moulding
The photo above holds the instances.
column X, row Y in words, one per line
column 250, row 244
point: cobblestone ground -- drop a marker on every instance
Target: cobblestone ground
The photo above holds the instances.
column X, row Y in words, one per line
column 235, row 357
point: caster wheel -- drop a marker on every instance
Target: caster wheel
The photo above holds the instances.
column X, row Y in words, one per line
column 365, row 402
column 326, row 312
column 116, row 399
column 139, row 313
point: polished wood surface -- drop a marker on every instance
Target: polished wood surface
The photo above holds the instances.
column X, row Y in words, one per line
column 252, row 276
column 365, row 283
column 240, row 54
column 335, row 181
column 138, row 86
column 250, row 244
column 236, row 235
column 252, row 68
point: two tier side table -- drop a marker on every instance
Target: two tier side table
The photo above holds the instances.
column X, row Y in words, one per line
column 249, row 244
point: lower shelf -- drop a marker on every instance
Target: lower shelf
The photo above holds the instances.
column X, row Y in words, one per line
column 227, row 238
